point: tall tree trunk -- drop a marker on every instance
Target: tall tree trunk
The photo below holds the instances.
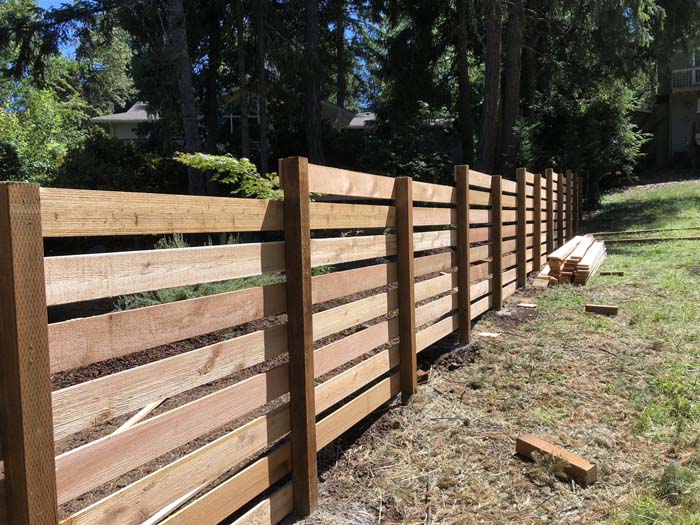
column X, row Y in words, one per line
column 489, row 121
column 242, row 79
column 341, row 81
column 529, row 58
column 183, row 70
column 312, row 95
column 261, row 51
column 511, row 85
column 212, row 78
column 466, row 130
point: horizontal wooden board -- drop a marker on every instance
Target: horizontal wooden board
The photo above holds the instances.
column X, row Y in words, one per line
column 334, row 181
column 270, row 510
column 78, row 213
column 437, row 193
column 87, row 467
column 231, row 495
column 83, row 277
column 84, row 341
column 329, row 216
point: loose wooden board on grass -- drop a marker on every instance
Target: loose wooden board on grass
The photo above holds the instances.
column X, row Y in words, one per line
column 575, row 467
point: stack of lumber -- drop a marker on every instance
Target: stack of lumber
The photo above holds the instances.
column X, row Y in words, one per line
column 591, row 262
column 576, row 261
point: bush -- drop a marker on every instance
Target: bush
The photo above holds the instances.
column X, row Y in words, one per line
column 105, row 163
column 10, row 164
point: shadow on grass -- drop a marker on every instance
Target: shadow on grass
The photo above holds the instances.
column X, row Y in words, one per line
column 644, row 214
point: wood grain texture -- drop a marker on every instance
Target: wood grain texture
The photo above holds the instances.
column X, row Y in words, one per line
column 300, row 334
column 570, row 208
column 407, row 296
column 561, row 196
column 497, row 244
column 270, row 510
column 521, row 235
column 25, row 382
column 549, row 174
column 83, row 277
column 537, row 230
column 88, row 340
column 461, row 174
column 87, row 467
column 79, row 213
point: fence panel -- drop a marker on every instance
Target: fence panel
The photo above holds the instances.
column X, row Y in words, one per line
column 186, row 404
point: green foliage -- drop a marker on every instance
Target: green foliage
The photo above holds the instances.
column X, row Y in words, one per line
column 240, row 175
column 10, row 165
column 40, row 127
column 103, row 163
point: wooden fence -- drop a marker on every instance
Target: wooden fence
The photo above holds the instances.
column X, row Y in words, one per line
column 425, row 259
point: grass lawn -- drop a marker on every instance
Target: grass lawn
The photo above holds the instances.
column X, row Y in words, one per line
column 622, row 391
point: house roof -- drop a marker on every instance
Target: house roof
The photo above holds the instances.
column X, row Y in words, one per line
column 136, row 113
column 362, row 120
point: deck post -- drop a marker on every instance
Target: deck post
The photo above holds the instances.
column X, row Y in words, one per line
column 521, row 227
column 463, row 263
column 26, row 419
column 570, row 206
column 560, row 209
column 407, row 297
column 497, row 242
column 294, row 174
column 549, row 173
column 537, row 224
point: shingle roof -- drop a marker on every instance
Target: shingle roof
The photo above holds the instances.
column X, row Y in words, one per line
column 137, row 113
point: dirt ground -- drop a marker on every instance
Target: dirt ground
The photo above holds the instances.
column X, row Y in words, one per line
column 448, row 457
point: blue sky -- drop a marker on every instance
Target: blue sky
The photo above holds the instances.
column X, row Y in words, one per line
column 67, row 49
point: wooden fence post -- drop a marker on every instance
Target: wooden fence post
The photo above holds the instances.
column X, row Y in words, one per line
column 575, row 204
column 407, row 298
column 294, row 173
column 463, row 261
column 560, row 209
column 26, row 419
column 549, row 173
column 581, row 197
column 537, row 224
column 569, row 205
column 521, row 228
column 497, row 242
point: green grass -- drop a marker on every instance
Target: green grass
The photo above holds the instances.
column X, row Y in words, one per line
column 659, row 296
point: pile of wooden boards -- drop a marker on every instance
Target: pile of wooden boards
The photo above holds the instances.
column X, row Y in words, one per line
column 574, row 262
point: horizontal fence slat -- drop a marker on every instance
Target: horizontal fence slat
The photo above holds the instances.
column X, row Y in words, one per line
column 324, row 215
column 75, row 278
column 231, row 495
column 88, row 340
column 86, row 467
column 92, row 402
column 78, row 213
column 271, row 510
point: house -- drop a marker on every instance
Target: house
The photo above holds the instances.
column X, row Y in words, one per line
column 124, row 126
column 677, row 123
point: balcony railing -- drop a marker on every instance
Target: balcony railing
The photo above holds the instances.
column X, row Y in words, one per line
column 686, row 79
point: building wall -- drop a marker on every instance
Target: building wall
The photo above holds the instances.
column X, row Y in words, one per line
column 683, row 109
column 124, row 130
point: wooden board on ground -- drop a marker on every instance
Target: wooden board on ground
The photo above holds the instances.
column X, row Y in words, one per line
column 603, row 309
column 575, row 467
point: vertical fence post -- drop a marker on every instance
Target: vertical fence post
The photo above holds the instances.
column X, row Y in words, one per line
column 549, row 173
column 537, row 224
column 407, row 298
column 581, row 196
column 26, row 419
column 497, row 242
column 560, row 209
column 574, row 218
column 570, row 206
column 463, row 260
column 521, row 228
column 294, row 174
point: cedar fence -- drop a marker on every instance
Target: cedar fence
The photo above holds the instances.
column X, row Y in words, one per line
column 440, row 255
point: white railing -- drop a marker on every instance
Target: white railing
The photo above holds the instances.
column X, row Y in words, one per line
column 683, row 79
